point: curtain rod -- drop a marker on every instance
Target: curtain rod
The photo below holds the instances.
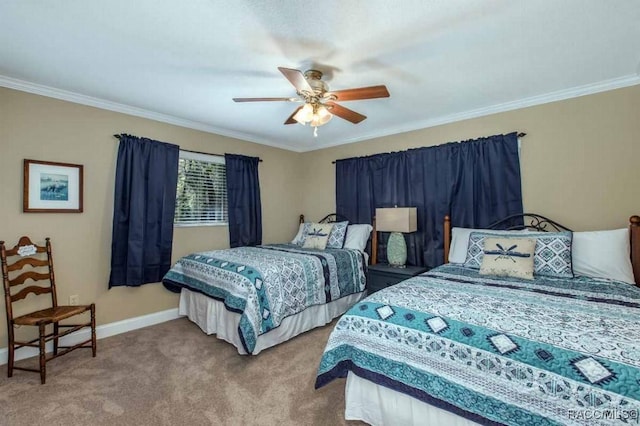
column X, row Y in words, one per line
column 194, row 152
column 520, row 135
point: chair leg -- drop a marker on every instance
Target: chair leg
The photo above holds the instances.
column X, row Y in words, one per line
column 11, row 355
column 43, row 359
column 56, row 329
column 93, row 329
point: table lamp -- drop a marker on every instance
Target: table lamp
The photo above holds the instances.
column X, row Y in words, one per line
column 397, row 220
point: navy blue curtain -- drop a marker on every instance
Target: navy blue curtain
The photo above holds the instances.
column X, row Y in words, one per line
column 243, row 198
column 144, row 205
column 475, row 182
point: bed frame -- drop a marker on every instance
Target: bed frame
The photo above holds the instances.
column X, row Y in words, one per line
column 541, row 223
column 634, row 228
column 330, row 218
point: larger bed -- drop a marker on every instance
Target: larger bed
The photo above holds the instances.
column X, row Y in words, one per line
column 454, row 347
column 257, row 297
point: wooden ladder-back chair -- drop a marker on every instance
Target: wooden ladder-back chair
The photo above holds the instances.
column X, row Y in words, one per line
column 30, row 263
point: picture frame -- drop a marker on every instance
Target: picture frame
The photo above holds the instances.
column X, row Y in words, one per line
column 51, row 187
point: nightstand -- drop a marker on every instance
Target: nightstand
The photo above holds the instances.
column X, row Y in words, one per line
column 382, row 275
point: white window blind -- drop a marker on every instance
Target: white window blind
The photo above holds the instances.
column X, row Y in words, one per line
column 201, row 196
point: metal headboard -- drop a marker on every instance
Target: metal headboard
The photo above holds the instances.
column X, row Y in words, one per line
column 542, row 223
column 330, row 218
column 531, row 221
column 334, row 217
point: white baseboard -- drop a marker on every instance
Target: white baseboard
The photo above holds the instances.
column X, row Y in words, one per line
column 102, row 331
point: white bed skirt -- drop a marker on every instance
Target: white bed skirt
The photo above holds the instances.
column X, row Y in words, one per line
column 381, row 406
column 213, row 318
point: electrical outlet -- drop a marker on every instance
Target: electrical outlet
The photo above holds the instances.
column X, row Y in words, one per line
column 74, row 300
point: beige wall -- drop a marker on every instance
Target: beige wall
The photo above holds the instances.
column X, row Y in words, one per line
column 579, row 159
column 41, row 128
column 578, row 167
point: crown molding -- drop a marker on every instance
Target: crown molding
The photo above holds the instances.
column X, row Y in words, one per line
column 65, row 95
column 574, row 92
column 560, row 95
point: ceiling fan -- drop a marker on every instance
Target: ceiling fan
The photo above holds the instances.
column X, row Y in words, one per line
column 319, row 102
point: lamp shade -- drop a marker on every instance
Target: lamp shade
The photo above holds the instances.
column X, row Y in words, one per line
column 397, row 219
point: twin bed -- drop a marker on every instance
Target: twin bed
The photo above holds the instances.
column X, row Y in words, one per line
column 257, row 297
column 456, row 347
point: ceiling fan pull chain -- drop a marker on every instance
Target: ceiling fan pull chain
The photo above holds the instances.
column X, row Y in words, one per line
column 315, row 132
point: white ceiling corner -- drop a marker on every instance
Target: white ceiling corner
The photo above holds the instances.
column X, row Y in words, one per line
column 181, row 63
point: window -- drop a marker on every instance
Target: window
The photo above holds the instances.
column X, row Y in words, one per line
column 201, row 196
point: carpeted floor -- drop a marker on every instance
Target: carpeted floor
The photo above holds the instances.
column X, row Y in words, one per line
column 173, row 374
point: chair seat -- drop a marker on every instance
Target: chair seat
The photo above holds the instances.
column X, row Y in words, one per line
column 51, row 315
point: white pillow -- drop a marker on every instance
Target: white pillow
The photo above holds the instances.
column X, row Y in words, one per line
column 603, row 254
column 298, row 238
column 357, row 236
column 460, row 242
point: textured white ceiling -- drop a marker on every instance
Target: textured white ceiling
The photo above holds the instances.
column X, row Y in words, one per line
column 183, row 61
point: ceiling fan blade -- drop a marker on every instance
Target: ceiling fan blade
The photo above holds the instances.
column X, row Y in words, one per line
column 264, row 99
column 345, row 113
column 291, row 120
column 297, row 79
column 371, row 92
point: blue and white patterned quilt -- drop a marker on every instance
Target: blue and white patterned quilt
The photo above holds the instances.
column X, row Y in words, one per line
column 266, row 284
column 498, row 350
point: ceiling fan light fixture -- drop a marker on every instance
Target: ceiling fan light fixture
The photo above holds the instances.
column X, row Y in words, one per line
column 314, row 114
column 320, row 105
column 304, row 114
column 323, row 114
column 321, row 117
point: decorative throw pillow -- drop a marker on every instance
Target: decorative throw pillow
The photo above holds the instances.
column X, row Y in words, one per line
column 317, row 235
column 508, row 257
column 336, row 237
column 298, row 238
column 460, row 241
column 552, row 257
column 304, row 229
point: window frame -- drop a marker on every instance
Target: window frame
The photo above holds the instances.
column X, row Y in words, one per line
column 207, row 158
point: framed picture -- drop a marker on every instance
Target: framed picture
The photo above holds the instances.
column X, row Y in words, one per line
column 52, row 187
